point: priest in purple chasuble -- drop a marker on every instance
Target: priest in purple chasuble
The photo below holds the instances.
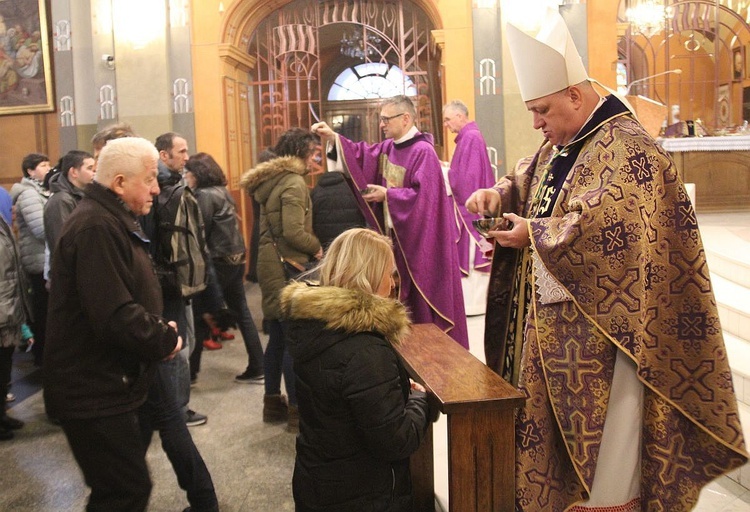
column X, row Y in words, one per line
column 600, row 306
column 470, row 170
column 400, row 188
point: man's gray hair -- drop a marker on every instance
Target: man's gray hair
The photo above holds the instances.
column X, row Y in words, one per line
column 458, row 106
column 402, row 103
column 128, row 156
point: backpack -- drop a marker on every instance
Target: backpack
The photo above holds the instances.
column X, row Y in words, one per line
column 180, row 245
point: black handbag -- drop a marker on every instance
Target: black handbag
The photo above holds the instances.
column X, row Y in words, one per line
column 292, row 269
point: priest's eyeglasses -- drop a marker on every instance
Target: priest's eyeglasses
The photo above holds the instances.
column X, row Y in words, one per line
column 387, row 119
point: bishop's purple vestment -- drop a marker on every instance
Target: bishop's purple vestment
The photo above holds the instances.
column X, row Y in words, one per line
column 423, row 225
column 470, row 170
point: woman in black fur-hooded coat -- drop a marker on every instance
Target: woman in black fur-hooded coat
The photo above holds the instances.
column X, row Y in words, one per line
column 359, row 418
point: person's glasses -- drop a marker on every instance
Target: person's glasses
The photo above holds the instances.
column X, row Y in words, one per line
column 387, row 119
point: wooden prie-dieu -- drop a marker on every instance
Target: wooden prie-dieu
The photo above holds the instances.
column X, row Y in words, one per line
column 480, row 408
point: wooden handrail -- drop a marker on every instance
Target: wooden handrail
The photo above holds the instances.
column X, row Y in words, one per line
column 480, row 408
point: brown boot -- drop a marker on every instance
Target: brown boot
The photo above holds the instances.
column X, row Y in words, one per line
column 293, row 420
column 274, row 408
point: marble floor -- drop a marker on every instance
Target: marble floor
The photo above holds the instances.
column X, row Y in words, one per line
column 251, row 462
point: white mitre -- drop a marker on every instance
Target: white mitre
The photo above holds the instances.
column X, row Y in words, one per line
column 546, row 60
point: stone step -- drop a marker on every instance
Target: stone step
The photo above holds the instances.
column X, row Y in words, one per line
column 734, row 306
column 742, row 475
column 730, row 278
column 738, row 353
column 728, row 252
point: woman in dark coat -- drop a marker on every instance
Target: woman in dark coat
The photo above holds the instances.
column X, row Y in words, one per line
column 359, row 418
column 227, row 247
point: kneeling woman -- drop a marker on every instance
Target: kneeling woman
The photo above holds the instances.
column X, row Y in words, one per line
column 359, row 418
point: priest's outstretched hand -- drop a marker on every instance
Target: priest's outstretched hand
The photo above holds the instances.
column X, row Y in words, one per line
column 323, row 131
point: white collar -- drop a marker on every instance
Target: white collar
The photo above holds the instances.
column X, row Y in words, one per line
column 602, row 99
column 409, row 135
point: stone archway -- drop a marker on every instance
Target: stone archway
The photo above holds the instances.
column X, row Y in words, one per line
column 242, row 134
column 285, row 44
column 242, row 18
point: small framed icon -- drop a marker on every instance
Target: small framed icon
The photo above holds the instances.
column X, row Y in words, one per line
column 738, row 63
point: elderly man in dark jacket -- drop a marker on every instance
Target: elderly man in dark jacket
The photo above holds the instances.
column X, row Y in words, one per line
column 105, row 328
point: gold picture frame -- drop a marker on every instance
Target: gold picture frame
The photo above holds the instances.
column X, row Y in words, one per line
column 25, row 76
column 738, row 63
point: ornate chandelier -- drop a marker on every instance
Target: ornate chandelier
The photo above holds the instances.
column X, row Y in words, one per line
column 648, row 16
column 354, row 45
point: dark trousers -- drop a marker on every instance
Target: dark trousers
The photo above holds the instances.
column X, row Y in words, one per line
column 252, row 274
column 233, row 288
column 161, row 412
column 39, row 296
column 6, row 363
column 112, row 457
column 277, row 361
column 202, row 332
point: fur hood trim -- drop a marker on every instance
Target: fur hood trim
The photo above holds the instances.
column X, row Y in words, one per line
column 351, row 311
column 258, row 175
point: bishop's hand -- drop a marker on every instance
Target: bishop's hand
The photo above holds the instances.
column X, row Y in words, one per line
column 516, row 237
column 485, row 201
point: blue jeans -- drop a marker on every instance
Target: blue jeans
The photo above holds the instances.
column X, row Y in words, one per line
column 277, row 361
column 162, row 413
column 231, row 281
column 176, row 310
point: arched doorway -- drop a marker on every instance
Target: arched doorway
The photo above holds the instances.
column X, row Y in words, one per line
column 277, row 59
column 300, row 49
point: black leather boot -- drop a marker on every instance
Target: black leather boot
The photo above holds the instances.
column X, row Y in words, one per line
column 8, row 423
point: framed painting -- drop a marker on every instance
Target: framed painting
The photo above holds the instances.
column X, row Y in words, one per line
column 25, row 77
column 738, row 63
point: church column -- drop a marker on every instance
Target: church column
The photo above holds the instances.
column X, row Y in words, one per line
column 122, row 62
column 489, row 104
